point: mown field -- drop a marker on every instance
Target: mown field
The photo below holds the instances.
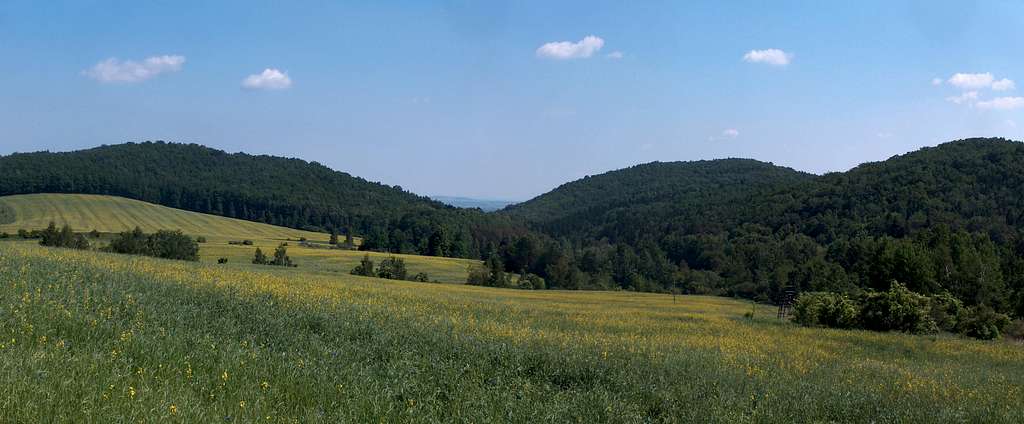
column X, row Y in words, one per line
column 109, row 215
column 95, row 337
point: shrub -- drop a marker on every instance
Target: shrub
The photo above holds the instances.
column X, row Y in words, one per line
column 4, row 235
column 281, row 257
column 200, row 239
column 51, row 237
column 222, row 260
column 897, row 309
column 532, row 282
column 162, row 244
column 984, row 323
column 421, row 277
column 479, row 275
column 822, row 309
column 946, row 311
column 1016, row 330
column 247, row 242
column 392, row 268
column 260, row 258
column 365, row 267
column 94, row 234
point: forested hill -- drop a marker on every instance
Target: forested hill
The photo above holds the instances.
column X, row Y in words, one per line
column 274, row 190
column 702, row 196
column 943, row 219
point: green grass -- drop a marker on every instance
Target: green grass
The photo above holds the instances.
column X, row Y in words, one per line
column 6, row 214
column 94, row 337
column 109, row 214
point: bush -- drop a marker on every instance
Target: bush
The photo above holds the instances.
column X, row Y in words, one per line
column 51, row 237
column 260, row 258
column 365, row 267
column 946, row 311
column 1015, row 330
column 897, row 309
column 4, row 235
column 392, row 268
column 281, row 257
column 162, row 244
column 222, row 260
column 200, row 239
column 247, row 242
column 421, row 277
column 822, row 309
column 94, row 234
column 532, row 282
column 984, row 323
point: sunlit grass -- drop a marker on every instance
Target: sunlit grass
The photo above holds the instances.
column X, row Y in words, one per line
column 88, row 336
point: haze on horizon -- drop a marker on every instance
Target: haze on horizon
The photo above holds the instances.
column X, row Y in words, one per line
column 507, row 101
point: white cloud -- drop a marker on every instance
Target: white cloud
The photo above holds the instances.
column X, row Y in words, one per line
column 1011, row 123
column 128, row 71
column 269, row 79
column 884, row 135
column 773, row 57
column 971, row 81
column 1003, row 85
column 730, row 133
column 1001, row 103
column 936, row 81
column 614, row 55
column 568, row 50
column 965, row 98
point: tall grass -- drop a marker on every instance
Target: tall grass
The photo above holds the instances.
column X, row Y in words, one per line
column 86, row 336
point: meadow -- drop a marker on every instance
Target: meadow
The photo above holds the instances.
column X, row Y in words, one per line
column 109, row 215
column 96, row 337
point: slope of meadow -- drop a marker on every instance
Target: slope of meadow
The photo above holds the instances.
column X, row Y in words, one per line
column 94, row 337
column 109, row 214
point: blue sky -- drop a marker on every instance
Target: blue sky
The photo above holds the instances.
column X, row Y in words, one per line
column 509, row 100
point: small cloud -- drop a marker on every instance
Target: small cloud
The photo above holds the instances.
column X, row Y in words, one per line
column 269, row 79
column 774, row 57
column 731, row 133
column 884, row 135
column 1011, row 123
column 1001, row 103
column 936, row 81
column 562, row 50
column 646, row 146
column 965, row 98
column 971, row 81
column 1003, row 85
column 616, row 55
column 114, row 70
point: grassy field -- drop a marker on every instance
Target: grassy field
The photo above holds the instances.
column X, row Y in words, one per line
column 109, row 214
column 94, row 337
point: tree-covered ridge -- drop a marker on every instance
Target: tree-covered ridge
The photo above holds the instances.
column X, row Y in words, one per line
column 286, row 192
column 704, row 195
column 942, row 219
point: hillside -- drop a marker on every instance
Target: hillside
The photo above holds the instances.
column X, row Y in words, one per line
column 179, row 341
column 941, row 219
column 285, row 192
column 110, row 214
column 708, row 195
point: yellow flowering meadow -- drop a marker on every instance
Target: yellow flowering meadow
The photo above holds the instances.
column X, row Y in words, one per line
column 92, row 337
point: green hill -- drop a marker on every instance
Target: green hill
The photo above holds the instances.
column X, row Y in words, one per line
column 943, row 219
column 110, row 214
column 273, row 190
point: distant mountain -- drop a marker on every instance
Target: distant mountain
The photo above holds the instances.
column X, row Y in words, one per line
column 486, row 205
column 274, row 190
